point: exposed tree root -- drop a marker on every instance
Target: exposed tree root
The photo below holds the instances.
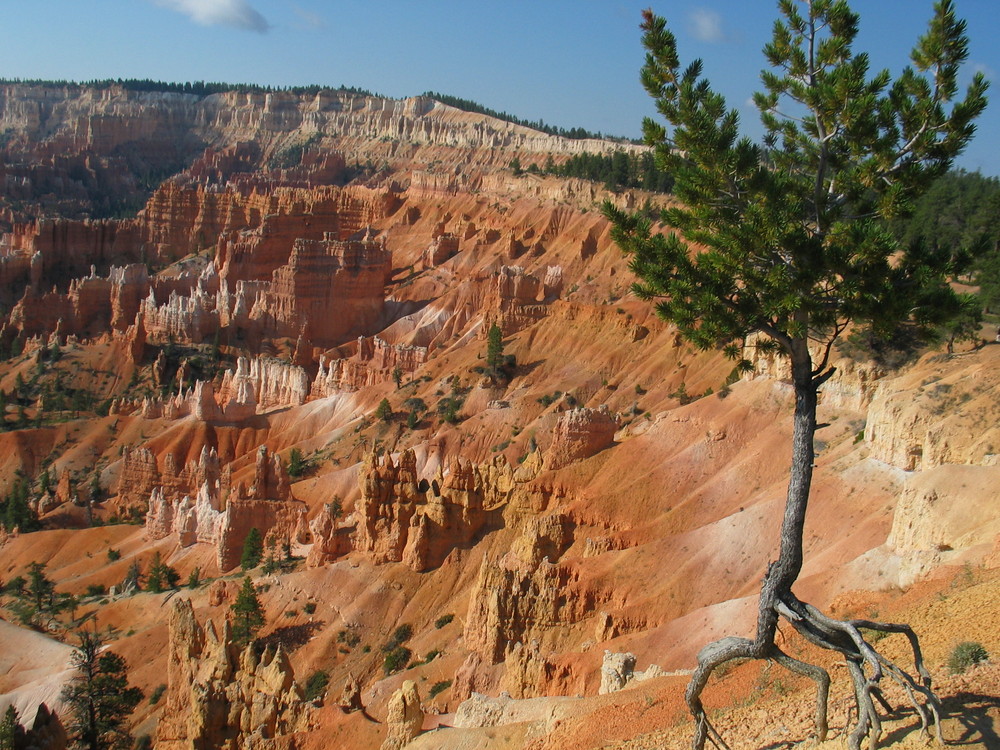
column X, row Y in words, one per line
column 866, row 667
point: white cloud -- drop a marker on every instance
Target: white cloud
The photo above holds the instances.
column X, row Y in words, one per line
column 706, row 25
column 986, row 70
column 309, row 20
column 237, row 14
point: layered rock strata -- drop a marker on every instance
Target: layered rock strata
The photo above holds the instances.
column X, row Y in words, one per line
column 92, row 305
column 580, row 433
column 328, row 289
column 516, row 300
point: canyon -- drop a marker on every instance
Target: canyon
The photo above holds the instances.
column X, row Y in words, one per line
column 558, row 542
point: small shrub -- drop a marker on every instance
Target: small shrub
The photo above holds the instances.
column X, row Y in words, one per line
column 397, row 656
column 439, row 687
column 114, row 554
column 396, row 659
column 309, row 607
column 401, row 635
column 96, row 589
column 874, row 636
column 443, row 620
column 682, row 395
column 316, row 685
column 549, row 399
column 448, row 409
column 415, row 404
column 291, row 612
column 965, row 655
column 349, row 637
column 157, row 693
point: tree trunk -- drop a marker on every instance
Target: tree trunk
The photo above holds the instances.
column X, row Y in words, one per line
column 785, row 570
column 777, row 600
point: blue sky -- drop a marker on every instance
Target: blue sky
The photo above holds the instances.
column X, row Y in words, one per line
column 569, row 63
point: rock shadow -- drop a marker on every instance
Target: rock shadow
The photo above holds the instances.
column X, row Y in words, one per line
column 290, row 637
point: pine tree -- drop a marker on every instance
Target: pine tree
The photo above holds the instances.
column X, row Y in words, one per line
column 161, row 576
column 494, row 347
column 40, row 589
column 37, row 601
column 296, row 464
column 17, row 513
column 495, row 362
column 10, row 729
column 247, row 614
column 44, row 482
column 384, row 410
column 253, row 550
column 99, row 697
column 794, row 247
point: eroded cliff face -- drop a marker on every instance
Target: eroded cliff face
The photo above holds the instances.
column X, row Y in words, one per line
column 521, row 594
column 328, row 290
column 418, row 521
column 944, row 414
column 274, row 383
column 83, row 150
column 580, row 433
column 221, row 695
column 263, row 284
column 373, row 361
column 201, row 505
